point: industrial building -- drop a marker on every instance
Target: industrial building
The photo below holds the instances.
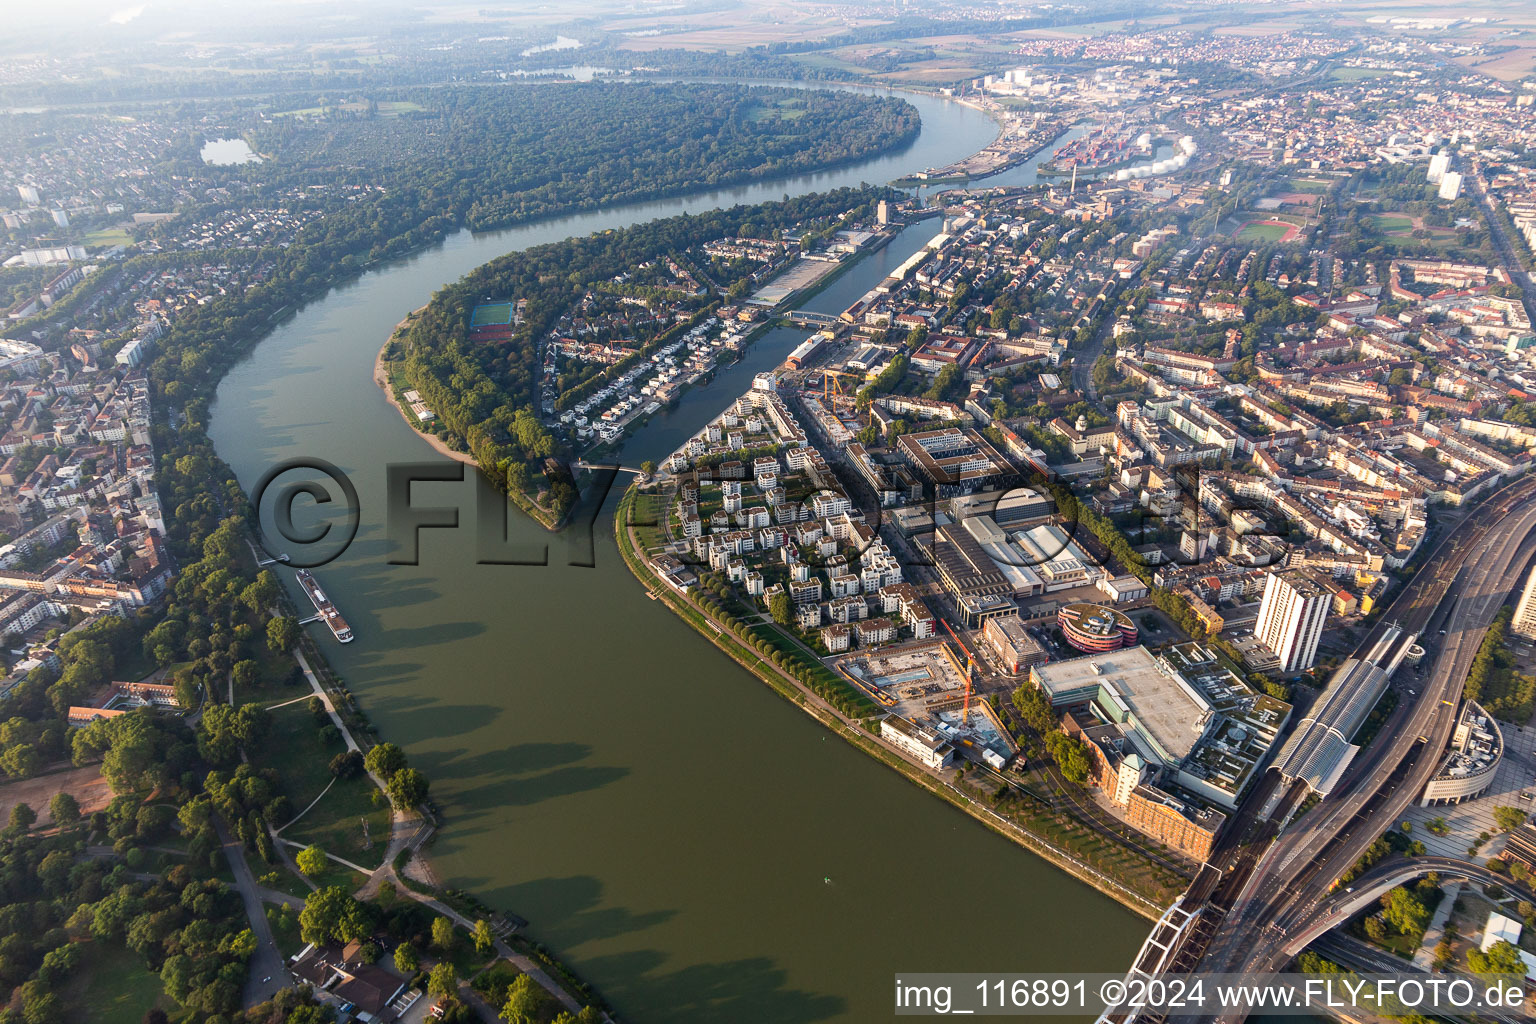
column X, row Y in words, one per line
column 1006, row 508
column 956, row 461
column 981, row 591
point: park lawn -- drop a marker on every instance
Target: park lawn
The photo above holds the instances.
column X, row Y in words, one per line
column 136, row 665
column 464, row 957
column 283, row 880
column 1392, row 222
column 108, row 237
column 293, row 748
column 339, row 875
column 113, row 987
column 336, row 822
column 647, row 515
column 276, row 669
column 777, row 640
column 1266, row 232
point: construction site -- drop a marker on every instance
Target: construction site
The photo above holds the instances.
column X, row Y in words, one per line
column 928, row 683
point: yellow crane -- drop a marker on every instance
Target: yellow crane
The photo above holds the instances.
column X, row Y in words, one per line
column 832, row 393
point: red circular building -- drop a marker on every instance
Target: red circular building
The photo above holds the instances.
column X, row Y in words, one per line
column 1095, row 628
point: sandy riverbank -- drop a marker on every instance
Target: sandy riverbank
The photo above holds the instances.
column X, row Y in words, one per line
column 529, row 508
column 381, row 378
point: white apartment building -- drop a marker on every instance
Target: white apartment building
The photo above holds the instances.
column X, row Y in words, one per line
column 1291, row 617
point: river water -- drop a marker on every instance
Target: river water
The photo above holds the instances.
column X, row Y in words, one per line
column 664, row 820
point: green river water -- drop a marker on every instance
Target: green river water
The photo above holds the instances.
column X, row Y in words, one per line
column 662, row 818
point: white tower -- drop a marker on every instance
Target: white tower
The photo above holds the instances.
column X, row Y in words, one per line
column 1291, row 617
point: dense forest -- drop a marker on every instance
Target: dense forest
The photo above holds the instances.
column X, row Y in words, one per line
column 485, row 395
column 496, row 156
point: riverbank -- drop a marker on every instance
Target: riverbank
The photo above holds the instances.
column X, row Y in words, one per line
column 559, row 744
column 1015, row 158
column 382, row 379
column 852, row 731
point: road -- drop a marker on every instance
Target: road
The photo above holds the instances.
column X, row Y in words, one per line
column 1296, row 873
column 1478, row 185
column 1261, row 893
column 266, row 974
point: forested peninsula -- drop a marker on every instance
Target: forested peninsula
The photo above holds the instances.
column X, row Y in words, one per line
column 486, row 396
column 496, row 155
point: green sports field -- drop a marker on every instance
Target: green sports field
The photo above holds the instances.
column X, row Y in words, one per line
column 1267, row 231
column 491, row 314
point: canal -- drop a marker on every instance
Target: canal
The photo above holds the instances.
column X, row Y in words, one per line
column 698, row 848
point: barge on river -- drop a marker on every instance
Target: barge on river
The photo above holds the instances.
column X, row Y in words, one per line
column 328, row 613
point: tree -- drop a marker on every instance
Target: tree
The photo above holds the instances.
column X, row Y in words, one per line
column 246, row 674
column 782, row 609
column 443, row 981
column 64, row 809
column 347, row 765
column 1070, row 756
column 525, row 1001
column 42, row 1007
column 329, row 914
column 1501, row 958
column 1405, row 911
column 23, row 817
column 312, row 860
column 1035, row 708
column 1508, row 818
column 21, row 761
column 407, row 788
column 283, row 633
column 406, row 959
column 384, row 760
column 261, row 594
column 442, row 934
column 484, row 940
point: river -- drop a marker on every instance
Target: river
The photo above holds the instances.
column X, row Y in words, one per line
column 664, row 820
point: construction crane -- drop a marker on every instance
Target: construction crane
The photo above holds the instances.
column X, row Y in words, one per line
column 832, row 392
